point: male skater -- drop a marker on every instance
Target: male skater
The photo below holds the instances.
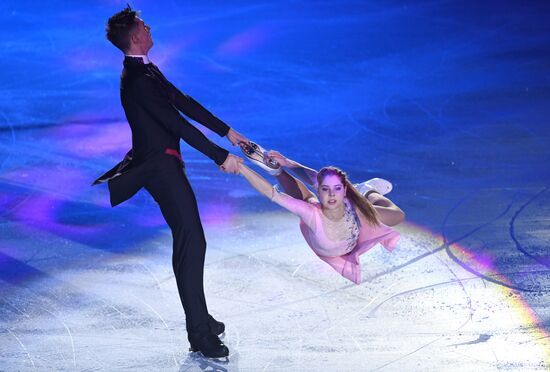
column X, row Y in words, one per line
column 151, row 105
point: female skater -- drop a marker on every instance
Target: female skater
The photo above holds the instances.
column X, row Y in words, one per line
column 341, row 223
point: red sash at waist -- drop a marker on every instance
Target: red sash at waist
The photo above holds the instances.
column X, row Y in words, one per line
column 173, row 153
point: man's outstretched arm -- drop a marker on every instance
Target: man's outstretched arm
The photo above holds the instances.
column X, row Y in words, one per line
column 147, row 92
column 187, row 105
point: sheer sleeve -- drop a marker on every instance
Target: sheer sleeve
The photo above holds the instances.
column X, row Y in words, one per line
column 302, row 209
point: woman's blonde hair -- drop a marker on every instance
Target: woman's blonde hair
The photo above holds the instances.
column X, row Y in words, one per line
column 354, row 196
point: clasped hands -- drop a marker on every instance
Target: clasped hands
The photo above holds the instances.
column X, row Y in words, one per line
column 231, row 163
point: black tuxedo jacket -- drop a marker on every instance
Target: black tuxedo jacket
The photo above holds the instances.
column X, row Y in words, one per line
column 151, row 104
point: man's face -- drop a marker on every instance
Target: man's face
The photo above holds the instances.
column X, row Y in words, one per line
column 141, row 36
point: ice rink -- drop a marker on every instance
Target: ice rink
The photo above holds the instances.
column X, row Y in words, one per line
column 448, row 100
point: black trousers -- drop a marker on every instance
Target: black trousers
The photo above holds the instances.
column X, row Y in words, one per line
column 168, row 185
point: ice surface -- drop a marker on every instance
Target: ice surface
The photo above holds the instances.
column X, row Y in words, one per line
column 447, row 100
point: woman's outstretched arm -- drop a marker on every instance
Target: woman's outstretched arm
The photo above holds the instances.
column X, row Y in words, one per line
column 299, row 207
column 257, row 181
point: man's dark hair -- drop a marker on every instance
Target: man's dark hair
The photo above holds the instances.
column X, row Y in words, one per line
column 120, row 26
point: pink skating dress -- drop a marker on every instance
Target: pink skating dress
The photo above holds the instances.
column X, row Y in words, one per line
column 338, row 243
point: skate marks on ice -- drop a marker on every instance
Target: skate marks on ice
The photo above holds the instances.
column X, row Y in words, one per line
column 424, row 314
column 446, row 244
column 514, row 294
column 506, row 281
column 283, row 307
column 468, row 319
column 545, row 261
column 535, row 264
column 195, row 361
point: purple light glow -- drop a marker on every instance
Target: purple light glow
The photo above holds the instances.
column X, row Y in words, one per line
column 44, row 211
column 67, row 181
column 218, row 214
column 164, row 56
column 112, row 139
column 245, row 41
column 481, row 261
column 85, row 60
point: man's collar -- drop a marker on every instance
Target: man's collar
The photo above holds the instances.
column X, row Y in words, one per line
column 144, row 59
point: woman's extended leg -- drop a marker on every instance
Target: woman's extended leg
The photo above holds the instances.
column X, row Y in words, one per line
column 294, row 186
column 389, row 213
column 273, row 162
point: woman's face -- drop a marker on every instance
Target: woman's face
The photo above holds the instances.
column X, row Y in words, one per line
column 331, row 192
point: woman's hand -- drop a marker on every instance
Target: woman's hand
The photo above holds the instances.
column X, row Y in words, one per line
column 279, row 158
